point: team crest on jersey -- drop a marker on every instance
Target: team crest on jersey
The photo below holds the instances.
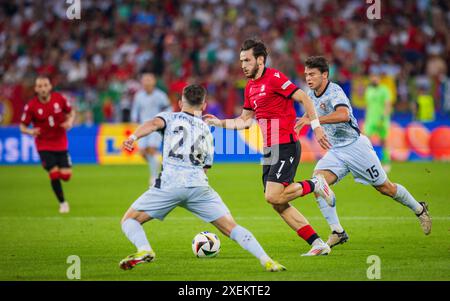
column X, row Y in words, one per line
column 277, row 74
column 322, row 106
column 263, row 87
column 40, row 111
column 57, row 107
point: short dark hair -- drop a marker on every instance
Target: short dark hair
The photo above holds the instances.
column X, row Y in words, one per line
column 259, row 49
column 194, row 94
column 318, row 62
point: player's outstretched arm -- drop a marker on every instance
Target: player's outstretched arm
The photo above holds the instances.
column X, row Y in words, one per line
column 321, row 137
column 242, row 122
column 143, row 130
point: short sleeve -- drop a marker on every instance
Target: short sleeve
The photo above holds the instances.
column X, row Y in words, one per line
column 26, row 115
column 247, row 104
column 282, row 85
column 165, row 116
column 339, row 98
column 66, row 106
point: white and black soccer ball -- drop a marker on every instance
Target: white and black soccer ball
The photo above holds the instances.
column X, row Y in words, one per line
column 206, row 244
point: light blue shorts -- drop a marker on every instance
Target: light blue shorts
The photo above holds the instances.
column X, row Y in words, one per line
column 203, row 202
column 153, row 140
column 359, row 158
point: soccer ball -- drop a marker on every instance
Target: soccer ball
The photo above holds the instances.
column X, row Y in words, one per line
column 206, row 244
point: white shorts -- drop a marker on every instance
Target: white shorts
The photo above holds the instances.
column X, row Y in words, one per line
column 153, row 140
column 359, row 158
column 203, row 202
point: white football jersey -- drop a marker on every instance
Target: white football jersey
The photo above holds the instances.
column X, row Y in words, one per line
column 187, row 148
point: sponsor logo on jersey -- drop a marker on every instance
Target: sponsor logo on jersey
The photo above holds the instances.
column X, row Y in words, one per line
column 286, row 84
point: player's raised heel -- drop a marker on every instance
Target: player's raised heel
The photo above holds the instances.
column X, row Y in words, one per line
column 318, row 250
column 137, row 258
column 273, row 266
column 336, row 238
column 323, row 189
column 425, row 219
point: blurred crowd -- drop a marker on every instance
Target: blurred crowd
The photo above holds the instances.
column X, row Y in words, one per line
column 97, row 59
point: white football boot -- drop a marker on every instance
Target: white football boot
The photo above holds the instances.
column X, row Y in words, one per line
column 318, row 249
column 323, row 189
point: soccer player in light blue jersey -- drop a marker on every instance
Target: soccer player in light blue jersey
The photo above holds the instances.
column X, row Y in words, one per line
column 188, row 153
column 147, row 103
column 351, row 152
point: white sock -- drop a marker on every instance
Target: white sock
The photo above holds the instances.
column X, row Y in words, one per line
column 153, row 165
column 336, row 227
column 134, row 231
column 404, row 197
column 247, row 241
column 330, row 214
column 317, row 241
column 145, row 248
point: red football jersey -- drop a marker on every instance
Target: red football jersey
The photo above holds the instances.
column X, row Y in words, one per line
column 270, row 98
column 48, row 117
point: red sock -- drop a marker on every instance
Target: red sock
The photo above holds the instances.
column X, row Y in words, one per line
column 307, row 186
column 65, row 176
column 54, row 175
column 307, row 233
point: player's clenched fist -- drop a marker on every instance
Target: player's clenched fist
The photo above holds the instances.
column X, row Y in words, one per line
column 129, row 143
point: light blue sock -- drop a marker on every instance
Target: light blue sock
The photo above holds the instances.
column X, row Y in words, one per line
column 153, row 165
column 404, row 197
column 330, row 214
column 247, row 241
column 135, row 233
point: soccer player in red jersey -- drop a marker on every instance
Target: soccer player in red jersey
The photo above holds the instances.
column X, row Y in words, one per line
column 270, row 96
column 51, row 116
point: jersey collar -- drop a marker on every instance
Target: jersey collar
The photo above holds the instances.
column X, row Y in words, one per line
column 190, row 114
column 323, row 92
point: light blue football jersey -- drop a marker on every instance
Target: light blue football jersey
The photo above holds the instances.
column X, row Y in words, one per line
column 339, row 134
column 146, row 106
column 187, row 148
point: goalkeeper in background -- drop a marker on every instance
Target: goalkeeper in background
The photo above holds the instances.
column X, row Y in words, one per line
column 379, row 102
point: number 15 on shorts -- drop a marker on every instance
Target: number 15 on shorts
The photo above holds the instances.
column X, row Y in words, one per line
column 373, row 172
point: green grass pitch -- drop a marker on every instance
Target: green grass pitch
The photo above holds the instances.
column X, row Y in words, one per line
column 35, row 240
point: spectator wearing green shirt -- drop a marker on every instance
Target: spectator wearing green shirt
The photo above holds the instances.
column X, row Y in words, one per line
column 379, row 103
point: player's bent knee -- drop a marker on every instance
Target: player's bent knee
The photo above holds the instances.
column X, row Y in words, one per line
column 225, row 224
column 140, row 216
column 273, row 199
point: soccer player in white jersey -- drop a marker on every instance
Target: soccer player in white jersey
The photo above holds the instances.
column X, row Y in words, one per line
column 188, row 153
column 351, row 151
column 147, row 103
